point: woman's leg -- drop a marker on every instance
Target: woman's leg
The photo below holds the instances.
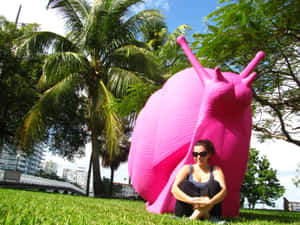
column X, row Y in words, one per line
column 214, row 188
column 182, row 208
column 201, row 212
column 185, row 209
column 210, row 190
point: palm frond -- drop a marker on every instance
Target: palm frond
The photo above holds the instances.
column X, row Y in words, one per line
column 74, row 12
column 171, row 55
column 41, row 43
column 32, row 129
column 60, row 89
column 65, row 44
column 93, row 32
column 135, row 22
column 113, row 125
column 120, row 79
column 139, row 60
column 82, row 7
column 59, row 65
column 170, row 47
column 121, row 7
column 154, row 33
column 169, row 50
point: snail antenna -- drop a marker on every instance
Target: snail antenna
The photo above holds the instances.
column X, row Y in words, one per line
column 200, row 70
column 258, row 57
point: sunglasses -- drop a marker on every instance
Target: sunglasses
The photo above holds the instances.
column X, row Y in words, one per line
column 202, row 154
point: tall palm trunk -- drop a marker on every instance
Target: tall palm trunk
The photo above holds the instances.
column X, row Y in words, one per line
column 89, row 176
column 93, row 94
column 112, row 173
column 96, row 166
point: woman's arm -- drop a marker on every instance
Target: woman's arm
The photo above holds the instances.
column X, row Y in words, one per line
column 203, row 202
column 219, row 176
column 176, row 191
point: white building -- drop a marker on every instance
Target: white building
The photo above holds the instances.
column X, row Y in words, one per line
column 78, row 176
column 50, row 167
column 11, row 159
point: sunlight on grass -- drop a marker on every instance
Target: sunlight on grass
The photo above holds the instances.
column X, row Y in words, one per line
column 26, row 207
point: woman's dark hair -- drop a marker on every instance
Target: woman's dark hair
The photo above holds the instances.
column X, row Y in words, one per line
column 207, row 144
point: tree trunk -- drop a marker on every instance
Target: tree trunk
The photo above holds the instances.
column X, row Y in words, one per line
column 89, row 176
column 251, row 205
column 112, row 173
column 96, row 167
column 242, row 201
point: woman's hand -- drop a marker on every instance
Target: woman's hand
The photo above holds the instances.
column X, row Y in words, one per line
column 201, row 202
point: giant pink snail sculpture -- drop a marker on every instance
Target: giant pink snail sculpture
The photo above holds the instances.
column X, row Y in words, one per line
column 196, row 103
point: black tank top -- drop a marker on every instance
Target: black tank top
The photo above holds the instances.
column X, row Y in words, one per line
column 200, row 184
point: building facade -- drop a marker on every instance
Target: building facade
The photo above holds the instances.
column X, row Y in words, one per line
column 11, row 159
column 49, row 167
column 127, row 192
column 78, row 176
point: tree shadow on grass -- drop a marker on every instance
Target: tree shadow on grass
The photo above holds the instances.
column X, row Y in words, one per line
column 272, row 216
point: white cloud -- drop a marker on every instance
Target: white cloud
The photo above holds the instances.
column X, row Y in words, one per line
column 163, row 4
column 151, row 4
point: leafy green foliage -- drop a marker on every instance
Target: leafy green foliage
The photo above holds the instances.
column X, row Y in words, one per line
column 18, row 77
column 110, row 190
column 170, row 59
column 260, row 184
column 136, row 98
column 170, row 54
column 52, row 175
column 239, row 29
column 66, row 126
column 152, row 35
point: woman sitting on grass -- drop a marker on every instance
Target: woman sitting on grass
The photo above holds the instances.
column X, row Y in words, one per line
column 199, row 188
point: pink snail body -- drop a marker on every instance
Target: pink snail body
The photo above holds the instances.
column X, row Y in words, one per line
column 196, row 103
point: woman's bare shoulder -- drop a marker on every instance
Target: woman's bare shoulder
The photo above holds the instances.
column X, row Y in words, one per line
column 183, row 172
column 185, row 169
column 217, row 168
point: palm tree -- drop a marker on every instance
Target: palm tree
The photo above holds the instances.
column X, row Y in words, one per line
column 97, row 59
column 113, row 160
column 170, row 57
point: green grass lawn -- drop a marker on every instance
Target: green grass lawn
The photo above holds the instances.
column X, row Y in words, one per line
column 27, row 207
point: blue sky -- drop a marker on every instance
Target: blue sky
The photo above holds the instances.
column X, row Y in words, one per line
column 178, row 12
column 282, row 156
